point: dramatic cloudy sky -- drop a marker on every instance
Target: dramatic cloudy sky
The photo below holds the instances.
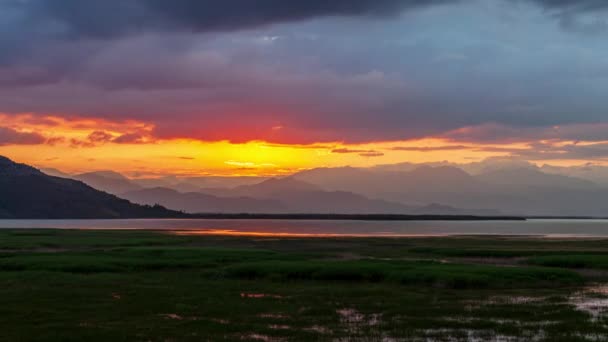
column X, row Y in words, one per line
column 210, row 85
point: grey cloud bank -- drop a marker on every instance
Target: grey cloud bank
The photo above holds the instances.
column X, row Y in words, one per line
column 353, row 71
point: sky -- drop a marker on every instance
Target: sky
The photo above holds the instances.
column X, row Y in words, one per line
column 270, row 87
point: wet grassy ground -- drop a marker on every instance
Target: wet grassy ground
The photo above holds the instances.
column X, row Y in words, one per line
column 155, row 286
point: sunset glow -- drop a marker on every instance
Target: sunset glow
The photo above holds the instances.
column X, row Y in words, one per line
column 79, row 145
column 187, row 97
column 304, row 170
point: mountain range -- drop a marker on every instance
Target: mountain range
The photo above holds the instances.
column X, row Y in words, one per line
column 26, row 192
column 281, row 195
column 484, row 188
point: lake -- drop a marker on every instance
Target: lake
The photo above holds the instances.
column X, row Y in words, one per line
column 549, row 228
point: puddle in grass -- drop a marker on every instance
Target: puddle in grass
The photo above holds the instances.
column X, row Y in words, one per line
column 352, row 317
column 263, row 338
column 432, row 335
column 172, row 316
column 357, row 323
column 220, row 321
column 176, row 317
column 512, row 322
column 475, row 304
column 319, row 329
column 592, row 300
column 261, row 295
column 279, row 327
column 273, row 316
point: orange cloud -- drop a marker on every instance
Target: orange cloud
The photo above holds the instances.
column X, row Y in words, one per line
column 77, row 131
column 131, row 147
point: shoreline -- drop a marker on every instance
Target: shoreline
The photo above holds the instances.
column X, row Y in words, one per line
column 303, row 235
column 301, row 217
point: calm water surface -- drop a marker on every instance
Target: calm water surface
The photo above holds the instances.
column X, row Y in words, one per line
column 551, row 228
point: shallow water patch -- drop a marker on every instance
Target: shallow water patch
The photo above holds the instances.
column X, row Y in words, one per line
column 261, row 295
column 592, row 300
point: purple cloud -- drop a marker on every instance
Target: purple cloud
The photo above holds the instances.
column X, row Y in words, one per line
column 9, row 136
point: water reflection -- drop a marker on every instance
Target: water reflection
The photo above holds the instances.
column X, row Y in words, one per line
column 326, row 228
column 592, row 300
column 227, row 232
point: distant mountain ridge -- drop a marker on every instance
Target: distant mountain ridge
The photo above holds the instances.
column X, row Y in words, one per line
column 492, row 187
column 513, row 189
column 196, row 202
column 267, row 188
column 108, row 181
column 55, row 173
column 26, row 192
column 282, row 196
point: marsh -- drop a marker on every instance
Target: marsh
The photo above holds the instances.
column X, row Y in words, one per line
column 129, row 285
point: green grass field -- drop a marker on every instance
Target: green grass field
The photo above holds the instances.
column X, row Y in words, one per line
column 71, row 285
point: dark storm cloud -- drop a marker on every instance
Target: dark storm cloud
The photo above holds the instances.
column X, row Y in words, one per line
column 31, row 28
column 570, row 14
column 111, row 18
column 394, row 77
column 116, row 17
column 573, row 5
column 495, row 133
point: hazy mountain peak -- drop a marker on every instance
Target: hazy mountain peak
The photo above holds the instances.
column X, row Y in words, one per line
column 406, row 166
column 287, row 182
column 442, row 171
column 496, row 164
column 593, row 172
column 55, row 172
column 276, row 185
column 525, row 176
column 108, row 181
column 330, row 170
column 158, row 191
column 106, row 174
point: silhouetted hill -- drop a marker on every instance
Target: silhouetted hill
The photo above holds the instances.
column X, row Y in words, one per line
column 26, row 192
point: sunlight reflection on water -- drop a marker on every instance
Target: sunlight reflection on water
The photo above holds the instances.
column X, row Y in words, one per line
column 332, row 228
